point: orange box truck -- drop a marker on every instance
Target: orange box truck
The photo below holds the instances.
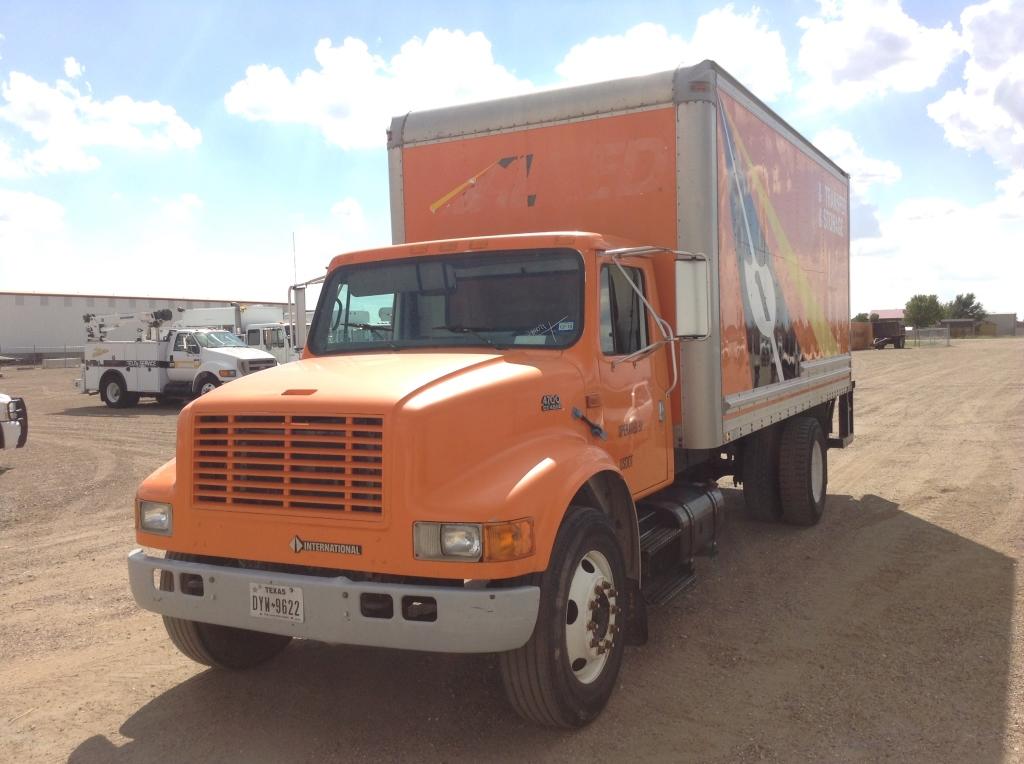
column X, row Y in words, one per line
column 506, row 429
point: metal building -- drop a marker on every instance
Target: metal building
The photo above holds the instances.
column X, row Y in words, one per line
column 1006, row 323
column 37, row 325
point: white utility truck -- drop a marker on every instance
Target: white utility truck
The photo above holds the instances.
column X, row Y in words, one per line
column 13, row 422
column 161, row 363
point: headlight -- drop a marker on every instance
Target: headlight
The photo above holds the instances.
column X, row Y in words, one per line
column 155, row 517
column 461, row 541
column 447, row 541
column 471, row 542
column 229, row 373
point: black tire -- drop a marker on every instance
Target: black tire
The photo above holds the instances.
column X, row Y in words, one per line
column 803, row 471
column 760, row 475
column 219, row 646
column 540, row 683
column 113, row 390
column 131, row 399
column 205, row 384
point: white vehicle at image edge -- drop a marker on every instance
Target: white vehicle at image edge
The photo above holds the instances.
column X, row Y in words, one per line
column 13, row 422
column 173, row 364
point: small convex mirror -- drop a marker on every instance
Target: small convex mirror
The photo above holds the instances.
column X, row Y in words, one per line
column 692, row 297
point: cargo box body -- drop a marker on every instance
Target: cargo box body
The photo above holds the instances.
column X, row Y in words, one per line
column 686, row 160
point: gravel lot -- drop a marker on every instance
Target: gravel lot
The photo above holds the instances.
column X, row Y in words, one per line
column 891, row 631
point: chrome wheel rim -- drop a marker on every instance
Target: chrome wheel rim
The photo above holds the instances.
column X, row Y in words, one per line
column 206, row 387
column 592, row 617
column 113, row 392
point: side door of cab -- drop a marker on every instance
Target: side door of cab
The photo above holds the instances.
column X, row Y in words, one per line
column 183, row 357
column 634, row 393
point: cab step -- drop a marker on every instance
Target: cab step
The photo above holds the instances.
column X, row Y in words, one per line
column 676, row 525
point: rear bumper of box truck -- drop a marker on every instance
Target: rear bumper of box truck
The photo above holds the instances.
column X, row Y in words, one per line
column 339, row 610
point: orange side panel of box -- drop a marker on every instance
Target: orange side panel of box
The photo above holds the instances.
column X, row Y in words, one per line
column 783, row 238
column 615, row 175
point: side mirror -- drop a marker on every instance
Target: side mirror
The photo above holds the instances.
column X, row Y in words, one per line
column 693, row 289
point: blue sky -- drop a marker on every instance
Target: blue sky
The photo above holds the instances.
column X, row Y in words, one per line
column 172, row 149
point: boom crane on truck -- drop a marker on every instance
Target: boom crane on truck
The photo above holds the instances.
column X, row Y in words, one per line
column 506, row 430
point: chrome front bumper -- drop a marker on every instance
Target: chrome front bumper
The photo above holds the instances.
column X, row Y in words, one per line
column 467, row 620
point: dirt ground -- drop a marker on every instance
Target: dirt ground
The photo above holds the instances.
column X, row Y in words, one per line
column 891, row 631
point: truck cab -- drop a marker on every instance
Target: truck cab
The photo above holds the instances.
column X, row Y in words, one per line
column 205, row 358
column 272, row 338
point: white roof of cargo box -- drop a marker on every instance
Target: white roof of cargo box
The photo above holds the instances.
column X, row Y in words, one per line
column 684, row 84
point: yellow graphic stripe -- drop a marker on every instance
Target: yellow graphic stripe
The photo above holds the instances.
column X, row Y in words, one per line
column 815, row 312
column 459, row 189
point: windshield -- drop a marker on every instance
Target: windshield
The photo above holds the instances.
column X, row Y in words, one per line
column 491, row 299
column 218, row 340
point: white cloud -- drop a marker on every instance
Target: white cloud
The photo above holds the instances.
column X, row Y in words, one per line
column 31, row 229
column 944, row 247
column 60, row 124
column 864, row 171
column 183, row 210
column 741, row 43
column 860, row 49
column 353, row 94
column 72, row 69
column 346, row 230
column 987, row 113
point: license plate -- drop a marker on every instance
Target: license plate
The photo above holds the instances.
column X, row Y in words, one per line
column 283, row 603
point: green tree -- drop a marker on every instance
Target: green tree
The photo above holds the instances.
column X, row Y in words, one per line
column 923, row 310
column 965, row 306
column 862, row 317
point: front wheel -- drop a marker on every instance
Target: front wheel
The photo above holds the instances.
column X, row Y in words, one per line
column 564, row 675
column 219, row 646
column 206, row 384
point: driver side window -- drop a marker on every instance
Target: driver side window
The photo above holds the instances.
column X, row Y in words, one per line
column 623, row 317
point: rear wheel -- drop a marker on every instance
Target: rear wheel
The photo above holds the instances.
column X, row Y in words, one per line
column 114, row 391
column 760, row 475
column 565, row 674
column 219, row 646
column 803, row 471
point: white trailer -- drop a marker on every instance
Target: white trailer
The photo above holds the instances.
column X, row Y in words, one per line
column 163, row 363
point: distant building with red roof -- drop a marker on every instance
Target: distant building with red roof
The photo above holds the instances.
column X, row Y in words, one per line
column 888, row 313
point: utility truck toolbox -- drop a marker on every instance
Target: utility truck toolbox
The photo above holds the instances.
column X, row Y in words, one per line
column 506, row 430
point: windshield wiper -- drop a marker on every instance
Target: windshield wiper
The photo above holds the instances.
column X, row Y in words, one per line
column 366, row 326
column 475, row 331
column 372, row 327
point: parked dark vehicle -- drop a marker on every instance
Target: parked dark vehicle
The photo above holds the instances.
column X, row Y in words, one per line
column 888, row 331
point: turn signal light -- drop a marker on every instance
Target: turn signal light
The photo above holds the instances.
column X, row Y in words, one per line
column 508, row 541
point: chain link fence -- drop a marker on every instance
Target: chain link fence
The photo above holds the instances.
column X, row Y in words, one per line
column 935, row 336
column 54, row 356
